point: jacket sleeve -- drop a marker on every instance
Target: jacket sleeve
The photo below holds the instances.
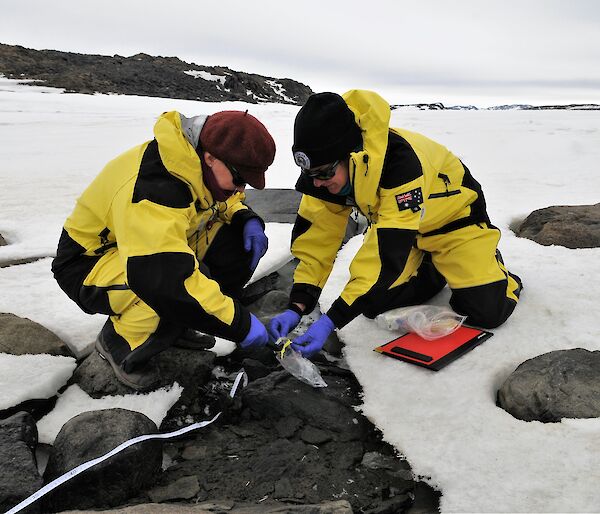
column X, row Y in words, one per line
column 381, row 260
column 162, row 269
column 238, row 213
column 316, row 238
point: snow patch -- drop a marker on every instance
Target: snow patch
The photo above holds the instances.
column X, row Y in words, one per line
column 74, row 401
column 206, row 76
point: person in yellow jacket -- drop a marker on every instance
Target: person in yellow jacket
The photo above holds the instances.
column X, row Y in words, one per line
column 426, row 214
column 162, row 242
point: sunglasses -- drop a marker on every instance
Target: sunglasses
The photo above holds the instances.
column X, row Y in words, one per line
column 321, row 173
column 236, row 176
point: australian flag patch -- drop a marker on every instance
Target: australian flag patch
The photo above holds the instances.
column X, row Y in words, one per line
column 410, row 200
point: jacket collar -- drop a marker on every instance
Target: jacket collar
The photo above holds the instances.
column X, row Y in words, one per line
column 372, row 114
column 177, row 138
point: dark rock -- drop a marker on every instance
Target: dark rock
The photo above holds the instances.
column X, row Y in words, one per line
column 392, row 505
column 2, row 241
column 14, row 262
column 145, row 75
column 333, row 345
column 285, row 279
column 273, row 303
column 275, row 205
column 19, row 477
column 375, row 460
column 230, row 507
column 194, row 452
column 283, row 489
column 182, row 489
column 96, row 377
column 112, row 482
column 20, row 336
column 573, row 226
column 281, row 206
column 260, row 465
column 258, row 289
column 287, row 427
column 255, row 369
column 189, row 368
column 555, row 385
column 263, row 354
column 281, row 395
column 345, row 455
column 312, row 435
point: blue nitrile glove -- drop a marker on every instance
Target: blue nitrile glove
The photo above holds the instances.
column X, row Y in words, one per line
column 255, row 241
column 314, row 338
column 257, row 335
column 282, row 324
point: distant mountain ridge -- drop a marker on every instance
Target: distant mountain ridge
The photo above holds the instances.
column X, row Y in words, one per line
column 437, row 106
column 145, row 75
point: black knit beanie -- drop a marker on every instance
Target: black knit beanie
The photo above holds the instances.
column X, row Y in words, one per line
column 324, row 131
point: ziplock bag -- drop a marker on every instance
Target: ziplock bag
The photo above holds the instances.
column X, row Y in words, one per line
column 429, row 321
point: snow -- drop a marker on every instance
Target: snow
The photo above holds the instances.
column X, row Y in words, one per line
column 27, row 377
column 74, row 401
column 278, row 89
column 206, row 76
column 445, row 423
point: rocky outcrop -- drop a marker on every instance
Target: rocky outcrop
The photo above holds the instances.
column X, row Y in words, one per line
column 146, row 75
column 19, row 476
column 573, row 226
column 555, row 385
column 287, row 442
column 90, row 435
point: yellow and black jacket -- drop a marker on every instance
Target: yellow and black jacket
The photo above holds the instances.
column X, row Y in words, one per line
column 405, row 184
column 150, row 204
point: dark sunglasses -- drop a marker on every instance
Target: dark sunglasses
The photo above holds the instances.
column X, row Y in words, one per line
column 322, row 173
column 235, row 175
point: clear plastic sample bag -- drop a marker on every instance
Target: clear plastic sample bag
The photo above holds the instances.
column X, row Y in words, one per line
column 298, row 366
column 429, row 321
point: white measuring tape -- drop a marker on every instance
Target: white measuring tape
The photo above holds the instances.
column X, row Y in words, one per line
column 86, row 465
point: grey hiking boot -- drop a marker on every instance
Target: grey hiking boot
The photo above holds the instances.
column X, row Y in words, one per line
column 143, row 378
column 193, row 340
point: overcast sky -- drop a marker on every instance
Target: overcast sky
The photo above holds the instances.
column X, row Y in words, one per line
column 481, row 52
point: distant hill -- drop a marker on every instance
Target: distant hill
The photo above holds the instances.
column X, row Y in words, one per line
column 439, row 107
column 145, row 75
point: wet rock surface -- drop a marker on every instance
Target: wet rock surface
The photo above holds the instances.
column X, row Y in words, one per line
column 555, row 385
column 573, row 226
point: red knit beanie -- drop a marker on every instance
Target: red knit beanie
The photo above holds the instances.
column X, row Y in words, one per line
column 239, row 139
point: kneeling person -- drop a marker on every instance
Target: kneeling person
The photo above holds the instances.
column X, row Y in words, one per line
column 161, row 242
column 427, row 221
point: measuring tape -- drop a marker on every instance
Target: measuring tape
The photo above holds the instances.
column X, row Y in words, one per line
column 87, row 465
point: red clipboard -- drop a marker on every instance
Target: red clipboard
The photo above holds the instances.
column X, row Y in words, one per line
column 437, row 353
